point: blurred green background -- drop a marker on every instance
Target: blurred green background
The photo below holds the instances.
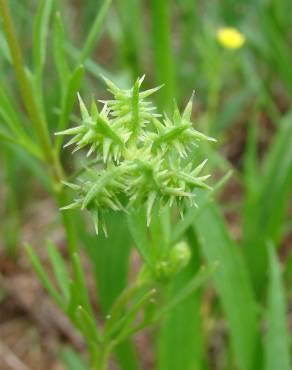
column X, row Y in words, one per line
column 241, row 318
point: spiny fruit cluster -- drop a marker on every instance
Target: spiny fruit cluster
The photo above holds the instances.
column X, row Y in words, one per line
column 143, row 154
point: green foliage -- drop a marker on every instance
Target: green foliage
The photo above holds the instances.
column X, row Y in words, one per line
column 233, row 284
column 262, row 212
column 148, row 272
column 277, row 351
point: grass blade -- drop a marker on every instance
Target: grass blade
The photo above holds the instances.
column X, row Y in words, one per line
column 277, row 354
column 94, row 31
column 59, row 52
column 79, row 278
column 182, row 318
column 110, row 259
column 267, row 210
column 43, row 276
column 60, row 270
column 9, row 115
column 133, row 40
column 72, row 359
column 40, row 34
column 69, row 100
column 163, row 55
column 233, row 285
column 88, row 325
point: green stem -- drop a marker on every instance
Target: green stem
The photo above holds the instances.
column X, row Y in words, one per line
column 100, row 358
column 163, row 54
column 38, row 122
column 67, row 221
column 27, row 94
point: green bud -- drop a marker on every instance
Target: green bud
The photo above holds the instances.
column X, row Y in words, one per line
column 179, row 257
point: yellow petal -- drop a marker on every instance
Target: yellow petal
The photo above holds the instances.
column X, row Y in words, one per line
column 230, row 38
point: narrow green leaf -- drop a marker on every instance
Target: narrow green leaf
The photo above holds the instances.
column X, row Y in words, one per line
column 5, row 52
column 72, row 359
column 110, row 260
column 88, row 325
column 188, row 289
column 10, row 116
column 60, row 270
column 232, row 283
column 74, row 302
column 162, row 50
column 277, row 352
column 127, row 356
column 68, row 101
column 59, row 52
column 269, row 204
column 27, row 161
column 79, row 278
column 182, row 321
column 95, row 31
column 40, row 33
column 6, row 137
column 131, row 33
column 91, row 66
column 43, row 276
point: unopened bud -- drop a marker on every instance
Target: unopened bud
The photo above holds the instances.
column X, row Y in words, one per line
column 179, row 257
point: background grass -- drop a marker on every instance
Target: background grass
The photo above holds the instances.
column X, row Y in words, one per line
column 242, row 97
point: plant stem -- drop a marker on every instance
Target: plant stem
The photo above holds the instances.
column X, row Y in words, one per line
column 27, row 94
column 39, row 123
column 67, row 221
column 163, row 54
column 100, row 358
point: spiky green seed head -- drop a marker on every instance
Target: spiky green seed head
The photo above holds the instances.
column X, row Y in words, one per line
column 144, row 155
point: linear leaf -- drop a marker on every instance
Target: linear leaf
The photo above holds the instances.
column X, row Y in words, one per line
column 80, row 281
column 182, row 318
column 43, row 276
column 232, row 283
column 20, row 137
column 40, row 33
column 277, row 354
column 60, row 270
column 59, row 52
column 110, row 260
column 72, row 360
column 94, row 31
column 88, row 325
column 69, row 100
column 267, row 210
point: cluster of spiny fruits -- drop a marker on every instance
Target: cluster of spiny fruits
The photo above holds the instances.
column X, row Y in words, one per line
column 144, row 155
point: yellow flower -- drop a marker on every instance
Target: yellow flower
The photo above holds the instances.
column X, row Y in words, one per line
column 230, row 38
